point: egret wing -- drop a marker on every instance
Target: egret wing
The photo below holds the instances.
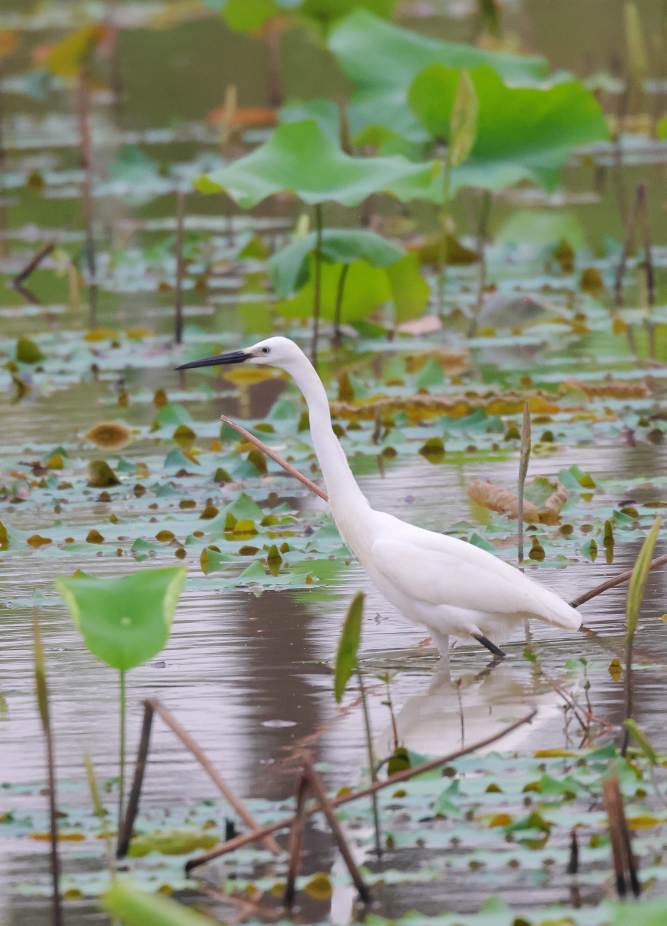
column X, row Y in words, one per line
column 441, row 577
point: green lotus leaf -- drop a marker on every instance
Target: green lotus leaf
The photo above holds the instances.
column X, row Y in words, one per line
column 289, row 269
column 382, row 60
column 299, row 158
column 124, row 621
column 325, row 112
column 522, row 132
column 350, row 638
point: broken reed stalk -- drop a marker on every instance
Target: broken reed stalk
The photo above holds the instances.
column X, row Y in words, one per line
column 317, row 298
column 326, row 807
column 239, row 841
column 180, row 266
column 33, row 263
column 153, row 706
column 371, row 762
column 87, row 192
column 635, row 595
column 304, row 480
column 296, row 839
column 619, row 835
column 100, row 812
column 524, row 458
column 42, row 693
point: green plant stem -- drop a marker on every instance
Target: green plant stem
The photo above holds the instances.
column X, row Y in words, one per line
column 121, row 762
column 318, row 283
column 371, row 762
column 339, row 303
column 482, row 234
column 444, row 215
column 87, row 192
column 43, row 705
column 180, row 266
column 628, row 689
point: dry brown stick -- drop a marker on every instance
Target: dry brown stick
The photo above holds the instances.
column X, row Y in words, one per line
column 619, row 836
column 239, row 841
column 274, row 456
column 139, row 770
column 20, row 278
column 180, row 265
column 296, row 839
column 612, row 583
column 213, row 773
column 332, row 820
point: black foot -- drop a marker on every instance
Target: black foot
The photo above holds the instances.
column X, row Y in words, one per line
column 492, row 648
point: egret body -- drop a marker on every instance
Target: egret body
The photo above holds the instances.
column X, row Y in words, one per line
column 447, row 585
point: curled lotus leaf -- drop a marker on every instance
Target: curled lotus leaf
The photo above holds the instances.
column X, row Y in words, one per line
column 124, row 621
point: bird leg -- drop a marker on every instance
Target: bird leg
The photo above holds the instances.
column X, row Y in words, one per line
column 492, row 648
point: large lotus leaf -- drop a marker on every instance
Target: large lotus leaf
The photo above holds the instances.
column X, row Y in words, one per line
column 521, row 131
column 134, row 907
column 289, row 269
column 366, row 289
column 299, row 158
column 325, row 112
column 382, row 60
column 124, row 621
column 324, row 13
column 409, row 289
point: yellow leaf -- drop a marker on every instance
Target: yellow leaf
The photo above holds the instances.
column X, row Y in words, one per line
column 100, row 334
column 68, row 57
column 615, row 669
column 643, row 822
column 9, row 40
column 500, row 819
column 619, row 326
column 56, row 462
column 319, row 887
column 246, row 526
column 553, row 753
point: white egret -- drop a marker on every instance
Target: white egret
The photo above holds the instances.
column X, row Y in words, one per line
column 447, row 585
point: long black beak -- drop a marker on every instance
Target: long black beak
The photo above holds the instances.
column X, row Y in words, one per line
column 234, row 356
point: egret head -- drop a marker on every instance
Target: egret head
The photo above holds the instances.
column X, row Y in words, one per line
column 274, row 352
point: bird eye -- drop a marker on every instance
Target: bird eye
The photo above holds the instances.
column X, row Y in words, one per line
column 266, row 350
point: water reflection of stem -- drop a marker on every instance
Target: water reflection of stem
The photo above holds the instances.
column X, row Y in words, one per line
column 339, row 304
column 43, row 705
column 524, row 458
column 87, row 192
column 121, row 773
column 371, row 762
column 390, row 704
column 318, row 283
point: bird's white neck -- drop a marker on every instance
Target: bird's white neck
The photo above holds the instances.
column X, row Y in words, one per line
column 345, row 496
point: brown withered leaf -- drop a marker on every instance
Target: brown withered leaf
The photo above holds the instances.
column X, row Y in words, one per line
column 100, row 475
column 110, row 435
column 501, row 500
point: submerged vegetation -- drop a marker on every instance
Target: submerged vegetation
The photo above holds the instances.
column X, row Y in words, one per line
column 468, row 241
